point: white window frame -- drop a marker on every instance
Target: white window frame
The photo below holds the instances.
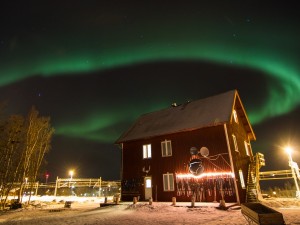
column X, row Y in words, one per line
column 235, row 143
column 168, row 150
column 247, row 148
column 168, row 182
column 242, row 180
column 147, row 154
column 235, row 117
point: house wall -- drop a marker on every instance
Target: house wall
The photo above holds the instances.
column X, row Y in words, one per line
column 240, row 159
column 133, row 163
column 218, row 139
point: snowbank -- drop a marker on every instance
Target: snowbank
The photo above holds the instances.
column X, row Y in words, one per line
column 90, row 212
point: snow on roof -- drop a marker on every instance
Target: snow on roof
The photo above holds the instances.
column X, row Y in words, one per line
column 192, row 115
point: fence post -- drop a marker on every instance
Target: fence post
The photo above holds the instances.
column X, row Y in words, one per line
column 134, row 200
column 55, row 191
column 150, row 201
column 116, row 199
column 193, row 201
column 174, row 201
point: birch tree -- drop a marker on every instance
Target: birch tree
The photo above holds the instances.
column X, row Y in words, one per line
column 41, row 148
column 23, row 145
column 38, row 134
column 11, row 139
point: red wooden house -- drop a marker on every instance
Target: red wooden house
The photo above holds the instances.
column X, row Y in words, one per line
column 200, row 148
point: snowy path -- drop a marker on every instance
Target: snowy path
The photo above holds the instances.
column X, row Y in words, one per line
column 141, row 213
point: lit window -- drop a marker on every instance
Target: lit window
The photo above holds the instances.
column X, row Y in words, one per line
column 168, row 180
column 247, row 148
column 148, row 183
column 235, row 116
column 235, row 143
column 242, row 179
column 147, row 151
column 166, row 148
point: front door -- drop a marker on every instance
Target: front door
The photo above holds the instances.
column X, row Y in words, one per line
column 148, row 187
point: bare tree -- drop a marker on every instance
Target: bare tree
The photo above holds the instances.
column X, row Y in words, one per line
column 23, row 145
column 10, row 147
column 41, row 148
column 38, row 134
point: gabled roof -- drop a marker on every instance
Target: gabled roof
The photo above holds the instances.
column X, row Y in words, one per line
column 189, row 116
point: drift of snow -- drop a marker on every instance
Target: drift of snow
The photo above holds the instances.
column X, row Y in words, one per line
column 89, row 212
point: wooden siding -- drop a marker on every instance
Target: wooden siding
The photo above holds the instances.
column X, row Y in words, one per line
column 133, row 163
column 240, row 158
column 216, row 136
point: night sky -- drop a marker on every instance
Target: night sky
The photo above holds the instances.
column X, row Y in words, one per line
column 95, row 66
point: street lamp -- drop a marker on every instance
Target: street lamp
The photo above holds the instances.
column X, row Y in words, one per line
column 71, row 172
column 293, row 166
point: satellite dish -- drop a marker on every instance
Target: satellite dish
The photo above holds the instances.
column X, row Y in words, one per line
column 194, row 151
column 196, row 167
column 204, row 151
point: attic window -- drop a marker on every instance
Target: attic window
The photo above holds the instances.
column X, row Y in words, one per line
column 147, row 151
column 235, row 116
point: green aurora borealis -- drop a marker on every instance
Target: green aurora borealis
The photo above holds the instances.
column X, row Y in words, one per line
column 58, row 43
column 274, row 63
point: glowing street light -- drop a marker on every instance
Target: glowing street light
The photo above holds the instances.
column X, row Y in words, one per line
column 71, row 173
column 293, row 166
column 289, row 150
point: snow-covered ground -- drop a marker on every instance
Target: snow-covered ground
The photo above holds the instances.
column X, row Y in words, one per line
column 87, row 211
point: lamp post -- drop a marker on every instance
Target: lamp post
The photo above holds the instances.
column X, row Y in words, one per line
column 292, row 165
column 71, row 173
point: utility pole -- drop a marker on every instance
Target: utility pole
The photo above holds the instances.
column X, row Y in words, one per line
column 293, row 166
